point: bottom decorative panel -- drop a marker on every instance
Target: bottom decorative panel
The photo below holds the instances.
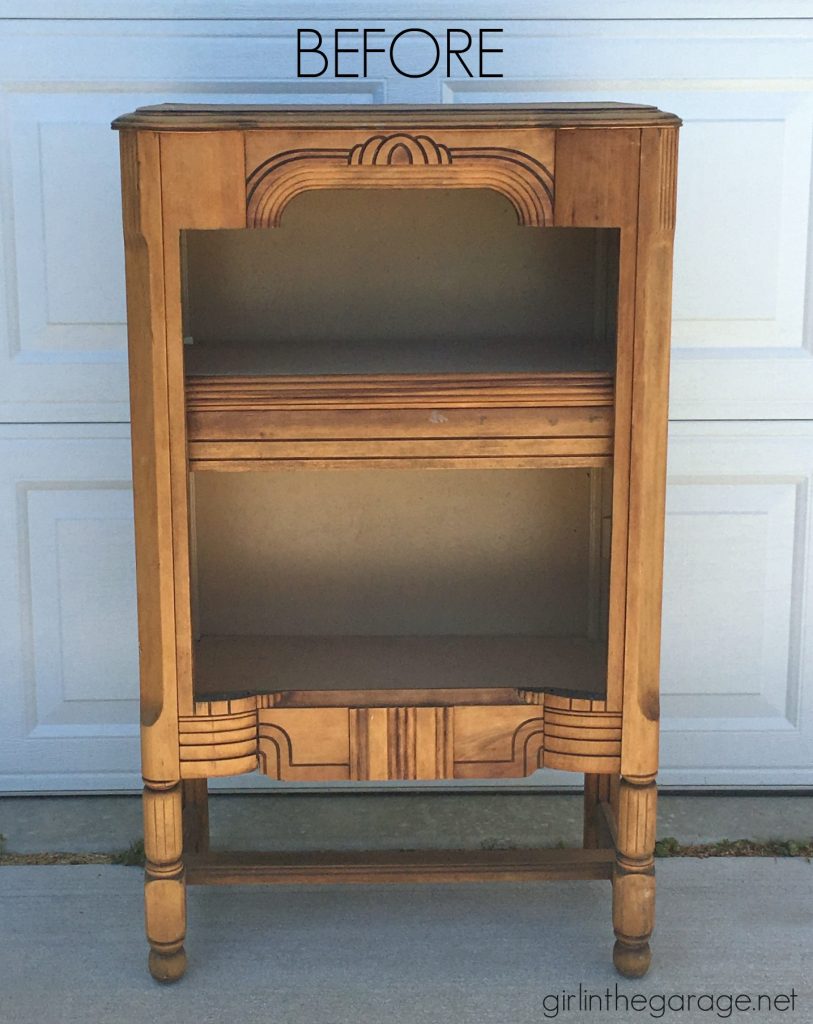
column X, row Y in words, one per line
column 399, row 743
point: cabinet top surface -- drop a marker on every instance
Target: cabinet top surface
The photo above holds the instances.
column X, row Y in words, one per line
column 174, row 117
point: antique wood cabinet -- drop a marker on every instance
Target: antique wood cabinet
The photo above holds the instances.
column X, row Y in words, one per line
column 399, row 405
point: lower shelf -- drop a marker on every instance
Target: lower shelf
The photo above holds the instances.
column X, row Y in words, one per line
column 400, row 866
column 323, row 670
column 357, row 708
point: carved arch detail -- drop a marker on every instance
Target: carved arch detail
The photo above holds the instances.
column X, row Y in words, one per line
column 400, row 160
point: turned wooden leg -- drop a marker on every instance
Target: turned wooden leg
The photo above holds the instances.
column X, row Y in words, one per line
column 164, row 883
column 596, row 792
column 634, row 877
column 196, row 815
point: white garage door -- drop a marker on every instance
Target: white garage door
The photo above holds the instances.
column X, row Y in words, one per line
column 738, row 707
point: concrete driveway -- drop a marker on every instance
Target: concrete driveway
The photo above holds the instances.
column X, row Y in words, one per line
column 72, row 951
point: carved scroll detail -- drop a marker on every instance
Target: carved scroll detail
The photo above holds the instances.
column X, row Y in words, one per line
column 581, row 735
column 400, row 148
column 401, row 160
column 219, row 739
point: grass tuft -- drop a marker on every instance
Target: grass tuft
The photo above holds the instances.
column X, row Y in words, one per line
column 132, row 857
column 670, row 847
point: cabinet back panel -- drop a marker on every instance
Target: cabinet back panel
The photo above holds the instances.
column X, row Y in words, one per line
column 393, row 552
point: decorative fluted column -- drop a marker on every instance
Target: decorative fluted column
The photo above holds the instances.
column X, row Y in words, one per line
column 164, row 883
column 634, row 878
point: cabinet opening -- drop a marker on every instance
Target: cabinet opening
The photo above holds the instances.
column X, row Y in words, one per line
column 365, row 281
column 379, row 579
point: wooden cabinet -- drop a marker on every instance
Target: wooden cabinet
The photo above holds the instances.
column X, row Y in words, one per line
column 399, row 403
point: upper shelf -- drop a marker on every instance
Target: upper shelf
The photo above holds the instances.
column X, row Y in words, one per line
column 399, row 281
column 175, row 117
column 311, row 357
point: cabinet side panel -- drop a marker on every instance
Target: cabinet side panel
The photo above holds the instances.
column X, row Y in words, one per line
column 141, row 194
column 202, row 187
column 597, row 186
column 653, row 308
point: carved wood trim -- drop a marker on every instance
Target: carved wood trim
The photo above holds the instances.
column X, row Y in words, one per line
column 398, row 391
column 255, row 420
column 399, row 148
column 400, row 160
column 400, row 743
column 181, row 117
column 581, row 735
column 220, row 738
column 163, row 827
column 636, row 823
column 667, row 179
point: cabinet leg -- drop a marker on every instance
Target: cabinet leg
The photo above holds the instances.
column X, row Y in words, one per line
column 164, row 882
column 634, row 876
column 196, row 815
column 596, row 791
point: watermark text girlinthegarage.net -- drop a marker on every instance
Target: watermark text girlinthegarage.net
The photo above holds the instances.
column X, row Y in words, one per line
column 658, row 1005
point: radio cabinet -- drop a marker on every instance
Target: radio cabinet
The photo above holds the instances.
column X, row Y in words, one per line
column 399, row 407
